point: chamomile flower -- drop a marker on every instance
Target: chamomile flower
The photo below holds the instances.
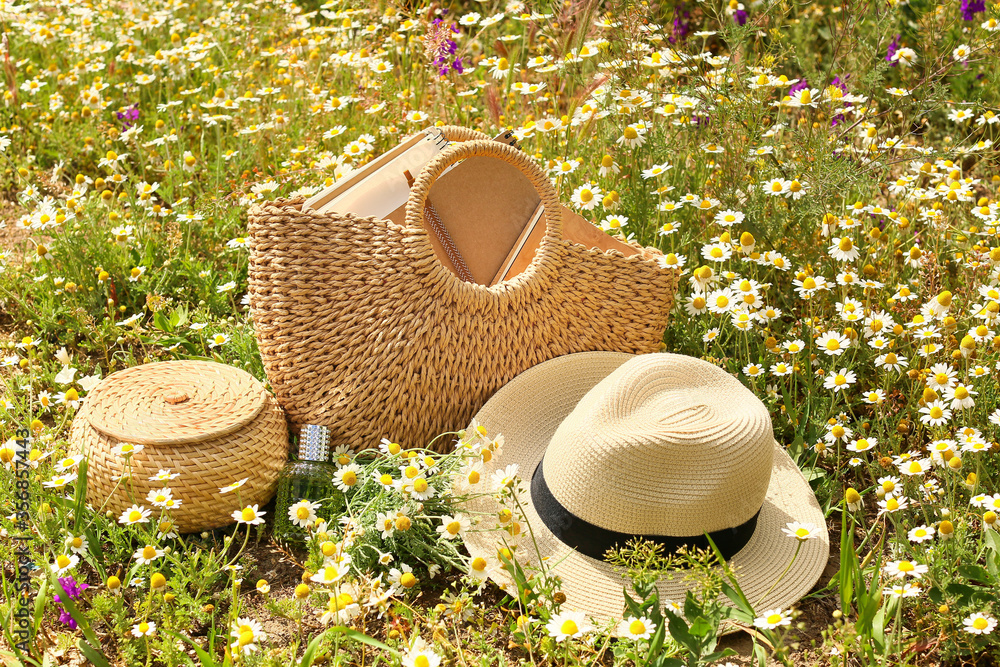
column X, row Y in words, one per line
column 568, row 625
column 632, row 627
column 921, row 533
column 979, row 623
column 303, row 513
column 840, row 380
column 586, row 197
column 773, row 618
column 347, row 477
column 900, row 569
column 935, row 413
column 833, row 343
column 801, row 531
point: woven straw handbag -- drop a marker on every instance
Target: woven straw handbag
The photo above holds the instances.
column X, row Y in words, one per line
column 362, row 329
column 209, row 423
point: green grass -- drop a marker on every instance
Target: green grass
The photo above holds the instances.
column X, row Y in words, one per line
column 246, row 101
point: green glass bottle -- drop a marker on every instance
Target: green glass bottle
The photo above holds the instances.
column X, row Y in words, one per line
column 308, row 478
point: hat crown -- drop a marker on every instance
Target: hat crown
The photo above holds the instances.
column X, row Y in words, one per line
column 665, row 445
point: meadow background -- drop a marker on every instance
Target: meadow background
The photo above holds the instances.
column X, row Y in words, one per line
column 823, row 173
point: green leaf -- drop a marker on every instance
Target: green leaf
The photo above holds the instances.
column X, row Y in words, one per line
column 975, row 573
column 963, row 593
column 161, row 322
column 40, row 599
column 92, row 654
column 679, row 631
column 760, row 654
column 718, row 655
column 692, row 609
column 206, row 658
column 364, row 639
column 813, row 473
column 656, row 641
column 848, row 563
column 310, row 652
column 702, row 627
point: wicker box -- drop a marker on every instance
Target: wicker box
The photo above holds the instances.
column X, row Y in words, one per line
column 211, row 423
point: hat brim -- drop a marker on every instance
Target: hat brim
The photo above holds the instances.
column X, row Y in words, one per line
column 528, row 410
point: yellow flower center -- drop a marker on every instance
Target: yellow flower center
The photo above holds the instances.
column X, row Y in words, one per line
column 349, row 478
column 833, row 344
column 246, row 637
column 809, row 283
column 961, row 393
column 721, row 301
column 802, row 533
column 892, row 504
column 980, row 624
column 637, row 627
column 569, row 627
column 421, row 661
column 453, row 527
column 936, row 412
column 62, row 561
column 906, row 566
column 134, row 515
column 631, row 134
column 473, row 477
column 774, row 618
column 408, row 580
column 302, row 513
column 586, row 196
column 478, row 563
column 411, row 472
column 144, row 627
column 840, row 380
column 149, row 552
column 248, row 514
column 420, row 485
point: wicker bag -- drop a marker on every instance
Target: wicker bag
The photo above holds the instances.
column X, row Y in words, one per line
column 210, row 423
column 361, row 328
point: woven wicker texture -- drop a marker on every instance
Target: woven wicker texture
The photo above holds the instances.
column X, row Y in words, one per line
column 682, row 442
column 362, row 329
column 212, row 423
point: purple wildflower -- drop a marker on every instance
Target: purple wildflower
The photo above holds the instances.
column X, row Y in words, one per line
column 972, row 7
column 841, row 83
column 128, row 116
column 682, row 23
column 740, row 17
column 893, row 47
column 441, row 48
column 73, row 590
column 66, row 619
column 801, row 85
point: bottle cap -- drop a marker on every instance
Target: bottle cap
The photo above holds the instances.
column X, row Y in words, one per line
column 314, row 443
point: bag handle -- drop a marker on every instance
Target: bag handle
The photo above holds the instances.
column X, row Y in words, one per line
column 495, row 149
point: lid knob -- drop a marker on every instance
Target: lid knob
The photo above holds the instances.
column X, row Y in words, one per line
column 175, row 396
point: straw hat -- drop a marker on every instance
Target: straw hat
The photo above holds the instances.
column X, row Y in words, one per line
column 613, row 445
